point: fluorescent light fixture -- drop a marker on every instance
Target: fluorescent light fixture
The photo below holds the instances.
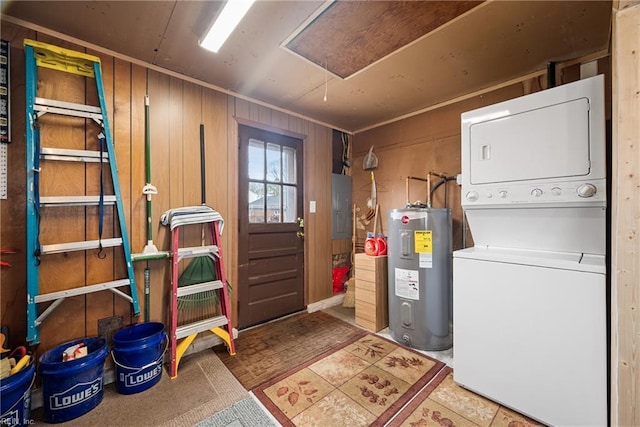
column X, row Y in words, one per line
column 229, row 18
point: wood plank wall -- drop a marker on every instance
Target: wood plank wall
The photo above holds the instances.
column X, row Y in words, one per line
column 177, row 108
column 625, row 246
column 429, row 142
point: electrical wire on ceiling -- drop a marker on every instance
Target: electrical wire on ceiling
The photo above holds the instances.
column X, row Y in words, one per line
column 326, row 80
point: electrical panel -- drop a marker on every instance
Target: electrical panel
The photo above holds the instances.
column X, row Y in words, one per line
column 341, row 221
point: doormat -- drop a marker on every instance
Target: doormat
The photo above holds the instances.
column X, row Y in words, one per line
column 266, row 351
column 245, row 413
column 443, row 402
column 362, row 383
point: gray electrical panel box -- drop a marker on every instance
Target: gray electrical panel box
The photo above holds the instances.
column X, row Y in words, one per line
column 341, row 207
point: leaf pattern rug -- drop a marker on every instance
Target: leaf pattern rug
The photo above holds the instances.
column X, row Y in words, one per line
column 266, row 351
column 444, row 403
column 363, row 382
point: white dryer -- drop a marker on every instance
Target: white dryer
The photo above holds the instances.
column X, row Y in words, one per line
column 529, row 299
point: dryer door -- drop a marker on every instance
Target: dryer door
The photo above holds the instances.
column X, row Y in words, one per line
column 542, row 143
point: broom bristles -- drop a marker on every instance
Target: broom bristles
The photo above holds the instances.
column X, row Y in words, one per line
column 202, row 305
column 350, row 295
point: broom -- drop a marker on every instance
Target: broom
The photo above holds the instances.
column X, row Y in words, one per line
column 201, row 305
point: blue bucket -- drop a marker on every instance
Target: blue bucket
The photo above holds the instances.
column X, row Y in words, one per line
column 73, row 388
column 138, row 354
column 15, row 397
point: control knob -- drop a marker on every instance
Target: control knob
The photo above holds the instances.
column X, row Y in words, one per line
column 587, row 190
column 556, row 191
column 502, row 193
column 536, row 192
column 472, row 196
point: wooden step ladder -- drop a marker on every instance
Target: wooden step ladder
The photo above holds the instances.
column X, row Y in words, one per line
column 44, row 55
column 184, row 331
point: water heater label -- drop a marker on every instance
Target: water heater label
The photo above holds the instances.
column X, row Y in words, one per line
column 407, row 284
column 426, row 260
column 424, row 241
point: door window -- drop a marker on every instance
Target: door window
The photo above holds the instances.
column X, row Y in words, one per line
column 272, row 183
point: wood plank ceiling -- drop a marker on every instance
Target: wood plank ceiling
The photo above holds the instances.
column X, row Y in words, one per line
column 475, row 48
column 334, row 40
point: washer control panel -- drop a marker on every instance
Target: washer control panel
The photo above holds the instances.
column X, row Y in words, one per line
column 536, row 193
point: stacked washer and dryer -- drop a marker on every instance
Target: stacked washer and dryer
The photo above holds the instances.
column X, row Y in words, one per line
column 530, row 297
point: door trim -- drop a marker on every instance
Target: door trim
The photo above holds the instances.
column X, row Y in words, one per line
column 268, row 128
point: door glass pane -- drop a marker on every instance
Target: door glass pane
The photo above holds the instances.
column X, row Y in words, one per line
column 273, row 203
column 256, row 159
column 273, row 163
column 288, row 165
column 289, row 211
column 256, row 202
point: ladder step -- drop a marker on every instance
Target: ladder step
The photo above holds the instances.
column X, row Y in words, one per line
column 75, row 200
column 197, row 251
column 82, row 290
column 79, row 246
column 197, row 288
column 43, row 105
column 201, row 326
column 68, row 155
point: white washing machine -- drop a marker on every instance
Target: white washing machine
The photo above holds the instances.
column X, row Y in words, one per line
column 529, row 299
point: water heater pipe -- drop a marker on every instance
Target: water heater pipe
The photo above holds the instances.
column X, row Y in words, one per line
column 407, row 186
column 551, row 74
column 429, row 190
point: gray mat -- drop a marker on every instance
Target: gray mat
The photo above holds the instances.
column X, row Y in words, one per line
column 245, row 413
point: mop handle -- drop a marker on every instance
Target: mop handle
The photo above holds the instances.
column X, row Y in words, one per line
column 147, row 153
column 203, row 178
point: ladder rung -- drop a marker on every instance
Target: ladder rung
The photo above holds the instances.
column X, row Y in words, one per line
column 65, row 154
column 197, row 251
column 201, row 326
column 81, row 291
column 200, row 287
column 75, row 200
column 67, row 108
column 79, row 246
column 67, row 105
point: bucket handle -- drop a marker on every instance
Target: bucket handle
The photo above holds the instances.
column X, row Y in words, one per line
column 27, row 391
column 148, row 365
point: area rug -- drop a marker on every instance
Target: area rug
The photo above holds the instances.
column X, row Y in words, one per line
column 266, row 351
column 364, row 382
column 245, row 413
column 444, row 403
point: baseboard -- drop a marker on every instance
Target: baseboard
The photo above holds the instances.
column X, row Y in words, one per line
column 325, row 303
column 108, row 376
